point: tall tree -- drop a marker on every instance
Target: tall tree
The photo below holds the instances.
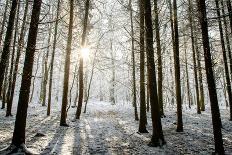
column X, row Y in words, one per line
column 7, row 42
column 159, row 55
column 143, row 113
column 228, row 84
column 192, row 27
column 83, row 44
column 53, row 57
column 157, row 134
column 8, row 110
column 219, row 149
column 3, row 21
column 133, row 61
column 67, row 67
column 18, row 53
column 177, row 69
column 20, row 123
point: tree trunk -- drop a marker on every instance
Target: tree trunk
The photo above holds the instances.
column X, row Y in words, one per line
column 67, row 68
column 133, row 62
column 21, row 116
column 8, row 38
column 46, row 69
column 159, row 55
column 187, row 74
column 9, row 106
column 52, row 58
column 177, row 69
column 4, row 21
column 224, row 58
column 81, row 70
column 143, row 113
column 219, row 149
column 157, row 135
column 192, row 26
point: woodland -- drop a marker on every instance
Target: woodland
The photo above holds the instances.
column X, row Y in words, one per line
column 115, row 77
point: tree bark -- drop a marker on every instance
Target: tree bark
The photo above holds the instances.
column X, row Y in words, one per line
column 157, row 134
column 81, row 70
column 52, row 58
column 8, row 38
column 219, row 149
column 143, row 113
column 177, row 69
column 21, row 116
column 228, row 84
column 67, row 68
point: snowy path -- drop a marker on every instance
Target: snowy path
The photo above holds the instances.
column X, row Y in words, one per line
column 107, row 129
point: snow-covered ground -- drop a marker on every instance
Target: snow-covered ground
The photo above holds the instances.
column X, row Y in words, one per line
column 111, row 129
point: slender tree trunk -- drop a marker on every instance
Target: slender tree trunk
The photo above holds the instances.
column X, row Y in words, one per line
column 202, row 98
column 9, row 106
column 177, row 70
column 83, row 44
column 8, row 38
column 21, row 116
column 219, row 149
column 192, row 26
column 143, row 113
column 133, row 62
column 159, row 55
column 4, row 21
column 157, row 135
column 228, row 2
column 187, row 74
column 227, row 38
column 224, row 58
column 52, row 58
column 46, row 69
column 67, row 68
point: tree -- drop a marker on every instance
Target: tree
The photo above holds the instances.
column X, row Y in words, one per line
column 9, row 106
column 18, row 139
column 67, row 67
column 177, row 69
column 7, row 42
column 228, row 84
column 219, row 149
column 159, row 55
column 4, row 21
column 83, row 44
column 53, row 57
column 133, row 62
column 143, row 113
column 157, row 134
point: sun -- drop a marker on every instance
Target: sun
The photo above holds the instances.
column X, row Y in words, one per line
column 85, row 53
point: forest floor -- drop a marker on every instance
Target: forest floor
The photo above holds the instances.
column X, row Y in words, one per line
column 111, row 129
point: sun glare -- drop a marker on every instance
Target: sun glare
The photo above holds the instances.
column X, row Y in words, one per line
column 85, row 53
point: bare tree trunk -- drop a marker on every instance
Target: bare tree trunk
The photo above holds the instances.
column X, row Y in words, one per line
column 192, row 27
column 4, row 21
column 224, row 58
column 83, row 44
column 187, row 74
column 159, row 55
column 52, row 58
column 9, row 106
column 219, row 149
column 8, row 38
column 67, row 68
column 177, row 70
column 157, row 135
column 143, row 113
column 21, row 116
column 133, row 62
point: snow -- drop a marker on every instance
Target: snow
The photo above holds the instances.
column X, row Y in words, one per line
column 111, row 129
